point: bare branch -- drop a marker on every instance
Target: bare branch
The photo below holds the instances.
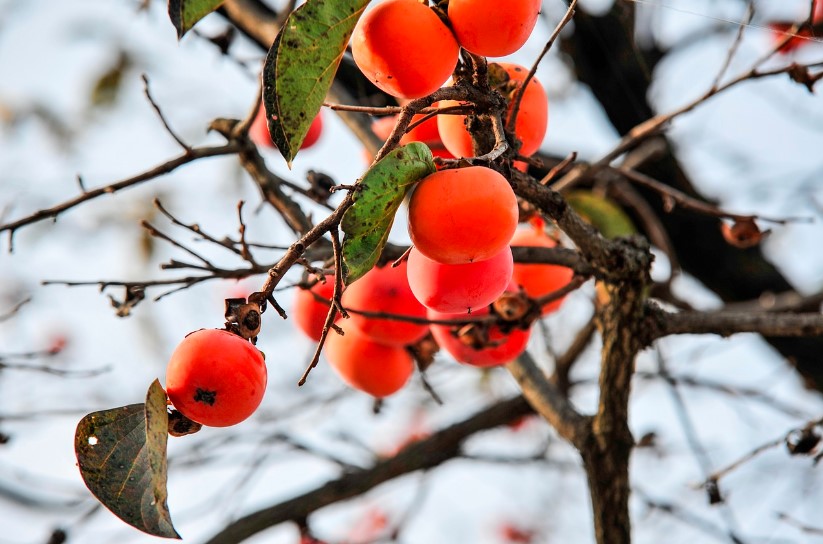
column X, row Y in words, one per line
column 419, row 455
column 548, row 401
column 14, row 309
column 728, row 323
column 157, row 171
column 184, row 145
column 518, row 97
column 735, row 45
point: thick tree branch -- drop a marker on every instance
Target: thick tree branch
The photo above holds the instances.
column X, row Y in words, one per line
column 548, row 401
column 270, row 186
column 421, row 455
column 664, row 323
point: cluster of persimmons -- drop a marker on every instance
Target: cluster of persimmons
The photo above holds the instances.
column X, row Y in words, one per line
column 463, row 222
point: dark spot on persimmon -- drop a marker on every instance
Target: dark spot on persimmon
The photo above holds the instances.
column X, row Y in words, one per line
column 205, row 396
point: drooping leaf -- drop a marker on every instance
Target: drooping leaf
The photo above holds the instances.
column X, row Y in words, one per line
column 602, row 212
column 300, row 67
column 122, row 458
column 367, row 223
column 184, row 14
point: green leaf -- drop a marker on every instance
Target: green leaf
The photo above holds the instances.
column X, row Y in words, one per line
column 602, row 212
column 367, row 223
column 122, row 458
column 184, row 14
column 300, row 67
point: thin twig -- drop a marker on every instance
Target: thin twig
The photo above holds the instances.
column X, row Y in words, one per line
column 184, row 145
column 654, row 125
column 800, row 526
column 735, row 45
column 333, row 307
column 153, row 231
column 45, row 369
column 557, row 294
column 14, row 309
column 559, row 167
column 518, row 96
column 245, row 251
column 157, row 171
column 673, row 197
column 195, row 228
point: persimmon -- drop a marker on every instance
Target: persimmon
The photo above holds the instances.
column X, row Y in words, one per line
column 532, row 117
column 802, row 38
column 366, row 365
column 404, row 48
column 538, row 280
column 259, row 131
column 456, row 288
column 480, row 345
column 216, row 378
column 462, row 215
column 493, row 28
column 426, row 132
column 308, row 312
column 386, row 290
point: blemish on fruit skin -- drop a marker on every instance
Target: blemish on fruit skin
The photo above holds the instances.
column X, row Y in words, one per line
column 205, row 396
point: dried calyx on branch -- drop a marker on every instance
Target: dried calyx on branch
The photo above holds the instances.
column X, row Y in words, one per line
column 244, row 318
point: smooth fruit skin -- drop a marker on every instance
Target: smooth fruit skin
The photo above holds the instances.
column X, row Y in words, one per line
column 216, row 378
column 458, row 288
column 366, row 365
column 493, row 28
column 309, row 314
column 259, row 131
column 404, row 49
column 539, row 279
column 529, row 127
column 504, row 348
column 385, row 290
column 462, row 215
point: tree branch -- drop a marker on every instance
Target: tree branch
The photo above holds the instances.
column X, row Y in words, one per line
column 548, row 401
column 665, row 323
column 420, row 455
column 157, row 171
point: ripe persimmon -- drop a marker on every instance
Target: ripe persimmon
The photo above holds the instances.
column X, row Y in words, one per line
column 456, row 288
column 426, row 132
column 493, row 28
column 259, row 131
column 462, row 215
column 480, row 345
column 539, row 279
column 216, row 378
column 366, row 365
column 404, row 48
column 308, row 312
column 385, row 290
column 532, row 117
